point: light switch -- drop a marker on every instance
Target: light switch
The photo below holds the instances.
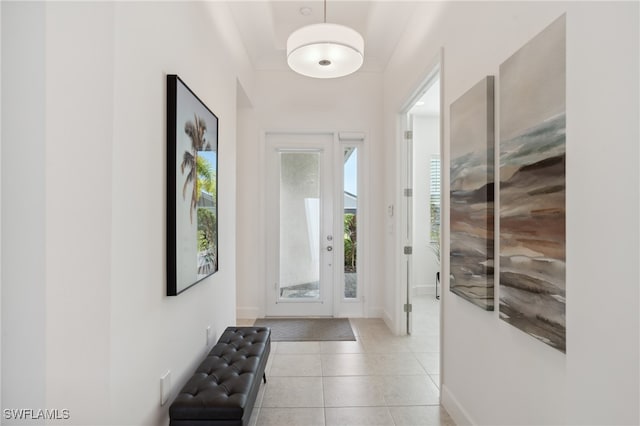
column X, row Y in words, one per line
column 209, row 333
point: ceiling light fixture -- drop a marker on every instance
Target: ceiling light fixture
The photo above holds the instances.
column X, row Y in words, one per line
column 325, row 50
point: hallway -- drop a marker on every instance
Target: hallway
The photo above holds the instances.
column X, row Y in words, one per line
column 87, row 242
column 380, row 379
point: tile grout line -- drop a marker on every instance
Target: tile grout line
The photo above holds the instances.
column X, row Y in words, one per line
column 325, row 355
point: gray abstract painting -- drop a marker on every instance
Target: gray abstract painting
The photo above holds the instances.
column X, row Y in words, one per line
column 532, row 187
column 472, row 195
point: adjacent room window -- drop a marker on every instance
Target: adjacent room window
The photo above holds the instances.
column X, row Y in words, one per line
column 434, row 198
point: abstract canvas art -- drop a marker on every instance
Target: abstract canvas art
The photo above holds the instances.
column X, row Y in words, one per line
column 472, row 192
column 192, row 188
column 532, row 187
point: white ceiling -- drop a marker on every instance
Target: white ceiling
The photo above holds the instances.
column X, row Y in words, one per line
column 265, row 26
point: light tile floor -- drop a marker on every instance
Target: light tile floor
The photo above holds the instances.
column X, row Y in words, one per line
column 380, row 379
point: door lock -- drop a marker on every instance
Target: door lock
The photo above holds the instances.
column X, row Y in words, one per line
column 329, row 248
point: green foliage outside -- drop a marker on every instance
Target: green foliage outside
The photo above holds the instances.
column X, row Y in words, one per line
column 207, row 229
column 206, row 177
column 207, row 220
column 195, row 130
column 435, row 223
column 350, row 242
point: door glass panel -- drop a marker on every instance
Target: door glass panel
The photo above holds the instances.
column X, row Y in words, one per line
column 350, row 220
column 299, row 225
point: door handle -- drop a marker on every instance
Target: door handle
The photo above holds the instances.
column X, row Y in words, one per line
column 329, row 248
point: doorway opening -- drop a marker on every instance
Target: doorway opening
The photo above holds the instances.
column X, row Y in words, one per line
column 421, row 172
column 424, row 289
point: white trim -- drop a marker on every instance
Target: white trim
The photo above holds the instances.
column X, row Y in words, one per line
column 457, row 412
column 377, row 312
column 424, row 290
column 403, row 124
column 323, row 144
column 395, row 321
column 364, row 207
column 1, row 334
column 352, row 307
column 337, row 164
column 341, row 307
column 444, row 222
column 398, row 321
column 351, row 136
column 262, row 239
column 382, row 313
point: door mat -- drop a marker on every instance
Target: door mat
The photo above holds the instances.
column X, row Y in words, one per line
column 307, row 329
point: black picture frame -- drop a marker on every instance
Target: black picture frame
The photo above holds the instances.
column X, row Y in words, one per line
column 192, row 183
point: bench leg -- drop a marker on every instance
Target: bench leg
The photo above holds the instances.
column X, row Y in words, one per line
column 264, row 377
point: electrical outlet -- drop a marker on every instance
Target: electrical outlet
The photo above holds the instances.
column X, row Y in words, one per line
column 165, row 387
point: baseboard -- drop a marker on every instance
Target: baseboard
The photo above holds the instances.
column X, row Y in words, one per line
column 388, row 320
column 243, row 312
column 454, row 408
column 375, row 313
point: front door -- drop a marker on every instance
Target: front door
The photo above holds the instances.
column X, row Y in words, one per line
column 299, row 222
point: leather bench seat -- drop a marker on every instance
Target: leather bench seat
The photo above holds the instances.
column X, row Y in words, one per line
column 223, row 389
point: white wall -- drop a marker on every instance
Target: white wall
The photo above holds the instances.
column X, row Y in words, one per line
column 493, row 373
column 86, row 324
column 174, row 327
column 78, row 112
column 23, row 204
column 285, row 101
column 426, row 144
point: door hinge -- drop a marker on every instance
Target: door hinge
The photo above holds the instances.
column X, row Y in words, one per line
column 408, row 192
column 408, row 249
column 408, row 307
column 408, row 134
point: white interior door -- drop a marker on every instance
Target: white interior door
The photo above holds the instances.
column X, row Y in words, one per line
column 407, row 229
column 300, row 225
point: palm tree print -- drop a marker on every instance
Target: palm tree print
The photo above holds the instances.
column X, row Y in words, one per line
column 195, row 130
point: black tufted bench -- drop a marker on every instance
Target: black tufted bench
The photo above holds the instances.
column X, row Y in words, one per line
column 224, row 387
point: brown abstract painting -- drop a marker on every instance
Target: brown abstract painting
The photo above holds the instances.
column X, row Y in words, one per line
column 472, row 182
column 532, row 187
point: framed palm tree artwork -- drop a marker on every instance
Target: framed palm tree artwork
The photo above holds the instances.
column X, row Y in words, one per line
column 192, row 202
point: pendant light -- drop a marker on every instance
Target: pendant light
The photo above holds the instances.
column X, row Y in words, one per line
column 325, row 50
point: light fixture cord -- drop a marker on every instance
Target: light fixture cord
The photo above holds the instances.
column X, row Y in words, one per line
column 325, row 11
